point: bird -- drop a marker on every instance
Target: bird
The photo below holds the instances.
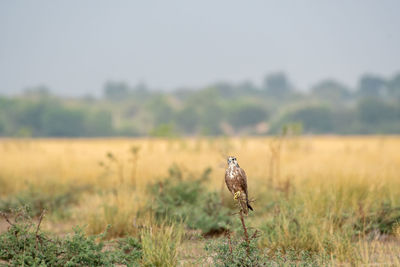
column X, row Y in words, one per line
column 236, row 181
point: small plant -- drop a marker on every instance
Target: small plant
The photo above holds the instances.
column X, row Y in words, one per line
column 160, row 245
column 24, row 243
column 235, row 251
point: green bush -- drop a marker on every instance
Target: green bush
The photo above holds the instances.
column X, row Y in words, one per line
column 235, row 252
column 186, row 200
column 25, row 244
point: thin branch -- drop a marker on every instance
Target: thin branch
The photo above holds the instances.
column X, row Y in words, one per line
column 6, row 218
column 38, row 226
column 246, row 235
column 255, row 234
column 40, row 221
column 228, row 233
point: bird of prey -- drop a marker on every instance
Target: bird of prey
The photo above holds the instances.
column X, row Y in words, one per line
column 236, row 181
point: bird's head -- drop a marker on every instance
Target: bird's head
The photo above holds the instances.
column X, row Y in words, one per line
column 232, row 161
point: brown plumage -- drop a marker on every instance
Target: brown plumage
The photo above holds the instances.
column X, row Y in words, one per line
column 236, row 181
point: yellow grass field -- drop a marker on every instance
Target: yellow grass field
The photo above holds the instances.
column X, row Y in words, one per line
column 318, row 177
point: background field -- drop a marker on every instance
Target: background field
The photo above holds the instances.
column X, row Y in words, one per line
column 333, row 199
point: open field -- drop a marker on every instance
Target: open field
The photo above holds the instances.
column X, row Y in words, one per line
column 318, row 200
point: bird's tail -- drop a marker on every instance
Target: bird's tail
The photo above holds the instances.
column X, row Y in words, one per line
column 244, row 206
column 244, row 203
column 248, row 205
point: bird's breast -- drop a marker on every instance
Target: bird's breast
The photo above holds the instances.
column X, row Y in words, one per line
column 231, row 173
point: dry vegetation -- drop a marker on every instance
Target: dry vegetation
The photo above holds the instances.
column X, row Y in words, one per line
column 321, row 200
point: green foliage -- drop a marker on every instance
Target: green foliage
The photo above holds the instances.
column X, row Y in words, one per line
column 25, row 244
column 51, row 117
column 330, row 90
column 161, row 110
column 295, row 258
column 187, row 119
column 394, row 86
column 185, row 199
column 315, row 119
column 128, row 251
column 246, row 115
column 235, row 252
column 328, row 107
column 64, row 122
column 371, row 86
column 374, row 111
column 116, row 91
column 277, row 85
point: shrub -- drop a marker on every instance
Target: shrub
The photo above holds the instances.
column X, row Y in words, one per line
column 25, row 244
column 235, row 251
column 187, row 200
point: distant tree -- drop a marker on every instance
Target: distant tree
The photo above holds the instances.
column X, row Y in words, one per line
column 371, row 86
column 330, row 90
column 345, row 121
column 206, row 102
column 315, row 119
column 211, row 117
column 224, row 89
column 187, row 119
column 160, row 109
column 246, row 87
column 59, row 121
column 99, row 124
column 116, row 91
column 394, row 86
column 277, row 84
column 30, row 115
column 141, row 87
column 2, row 126
column 373, row 111
column 140, row 91
column 40, row 91
column 246, row 115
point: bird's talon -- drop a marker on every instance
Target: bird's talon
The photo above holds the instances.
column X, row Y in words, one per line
column 237, row 194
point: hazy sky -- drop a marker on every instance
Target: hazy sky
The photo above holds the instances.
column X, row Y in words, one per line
column 74, row 46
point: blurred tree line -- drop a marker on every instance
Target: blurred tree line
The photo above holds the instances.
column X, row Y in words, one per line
column 223, row 108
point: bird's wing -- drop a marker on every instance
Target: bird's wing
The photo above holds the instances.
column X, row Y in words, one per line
column 227, row 182
column 243, row 180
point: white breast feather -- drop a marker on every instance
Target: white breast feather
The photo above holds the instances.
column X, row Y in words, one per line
column 231, row 173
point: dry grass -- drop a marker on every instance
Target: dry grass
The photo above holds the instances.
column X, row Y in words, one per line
column 319, row 177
